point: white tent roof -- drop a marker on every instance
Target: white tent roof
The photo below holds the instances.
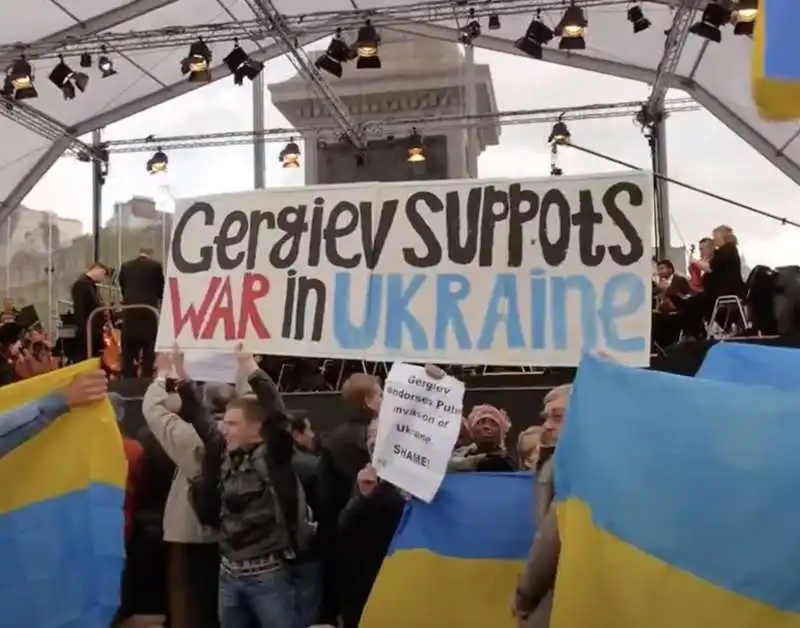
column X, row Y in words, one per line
column 716, row 75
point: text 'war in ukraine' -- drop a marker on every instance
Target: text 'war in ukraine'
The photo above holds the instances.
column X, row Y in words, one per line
column 423, row 268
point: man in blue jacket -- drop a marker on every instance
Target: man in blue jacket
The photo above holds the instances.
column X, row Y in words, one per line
column 26, row 421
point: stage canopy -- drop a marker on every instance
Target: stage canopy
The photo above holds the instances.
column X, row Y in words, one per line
column 716, row 75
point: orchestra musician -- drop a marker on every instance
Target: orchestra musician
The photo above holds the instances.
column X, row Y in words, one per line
column 721, row 275
column 696, row 266
column 669, row 291
column 141, row 281
column 85, row 300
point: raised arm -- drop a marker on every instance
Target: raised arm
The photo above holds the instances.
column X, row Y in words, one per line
column 24, row 422
column 276, row 425
column 178, row 438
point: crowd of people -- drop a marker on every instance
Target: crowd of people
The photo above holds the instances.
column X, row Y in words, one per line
column 241, row 516
column 238, row 515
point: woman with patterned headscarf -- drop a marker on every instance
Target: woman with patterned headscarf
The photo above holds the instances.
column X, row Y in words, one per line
column 488, row 427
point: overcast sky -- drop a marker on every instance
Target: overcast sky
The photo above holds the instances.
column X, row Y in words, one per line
column 701, row 151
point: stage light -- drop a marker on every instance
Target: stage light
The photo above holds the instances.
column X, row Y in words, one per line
column 241, row 65
column 416, row 150
column 196, row 65
column 637, row 18
column 367, row 44
column 67, row 80
column 715, row 16
column 471, row 31
column 537, row 35
column 494, row 22
column 105, row 65
column 744, row 17
column 337, row 54
column 290, row 155
column 572, row 29
column 158, row 162
column 19, row 78
column 85, row 60
column 560, row 134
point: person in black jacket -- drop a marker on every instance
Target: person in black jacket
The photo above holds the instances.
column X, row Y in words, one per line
column 366, row 529
column 342, row 454
column 85, row 300
column 141, row 281
column 263, row 526
column 722, row 276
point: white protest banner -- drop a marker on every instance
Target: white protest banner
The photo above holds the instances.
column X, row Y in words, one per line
column 418, row 426
column 507, row 272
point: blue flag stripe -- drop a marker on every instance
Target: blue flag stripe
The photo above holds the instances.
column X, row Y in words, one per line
column 781, row 43
column 455, row 525
column 666, row 463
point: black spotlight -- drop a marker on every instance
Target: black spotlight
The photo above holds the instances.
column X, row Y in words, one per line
column 471, row 31
column 158, row 162
column 572, row 29
column 366, row 45
column 744, row 17
column 637, row 18
column 241, row 65
column 85, row 60
column 337, row 54
column 290, row 155
column 537, row 35
column 416, row 149
column 494, row 22
column 560, row 134
column 105, row 65
column 197, row 64
column 66, row 80
column 715, row 16
column 19, row 80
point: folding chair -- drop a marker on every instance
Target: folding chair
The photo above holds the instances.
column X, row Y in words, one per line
column 730, row 307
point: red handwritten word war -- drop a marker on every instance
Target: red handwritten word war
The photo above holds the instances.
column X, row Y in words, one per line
column 218, row 309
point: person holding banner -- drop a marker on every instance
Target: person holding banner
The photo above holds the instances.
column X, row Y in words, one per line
column 264, row 519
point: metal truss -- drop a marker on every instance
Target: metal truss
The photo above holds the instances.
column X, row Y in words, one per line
column 383, row 128
column 318, row 22
column 673, row 47
column 271, row 19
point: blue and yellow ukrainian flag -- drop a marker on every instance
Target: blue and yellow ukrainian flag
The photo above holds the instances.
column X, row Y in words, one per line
column 749, row 364
column 776, row 60
column 677, row 503
column 455, row 562
column 61, row 517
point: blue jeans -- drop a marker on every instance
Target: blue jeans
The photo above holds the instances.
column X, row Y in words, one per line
column 262, row 600
column 306, row 577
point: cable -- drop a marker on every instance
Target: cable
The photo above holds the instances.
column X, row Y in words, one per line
column 688, row 186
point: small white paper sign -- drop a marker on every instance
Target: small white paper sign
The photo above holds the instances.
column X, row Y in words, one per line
column 210, row 366
column 418, row 426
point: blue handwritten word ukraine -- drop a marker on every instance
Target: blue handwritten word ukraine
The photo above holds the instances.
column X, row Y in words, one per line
column 390, row 297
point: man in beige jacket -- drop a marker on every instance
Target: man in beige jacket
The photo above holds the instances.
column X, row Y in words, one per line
column 194, row 560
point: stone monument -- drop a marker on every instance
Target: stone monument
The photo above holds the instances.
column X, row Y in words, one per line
column 419, row 77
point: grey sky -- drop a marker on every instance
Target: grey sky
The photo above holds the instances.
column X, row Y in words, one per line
column 701, row 151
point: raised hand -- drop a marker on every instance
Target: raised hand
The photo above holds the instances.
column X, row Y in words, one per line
column 86, row 389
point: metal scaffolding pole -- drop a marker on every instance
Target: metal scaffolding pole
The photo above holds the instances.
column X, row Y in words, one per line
column 660, row 168
column 471, row 106
column 259, row 145
column 98, row 179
